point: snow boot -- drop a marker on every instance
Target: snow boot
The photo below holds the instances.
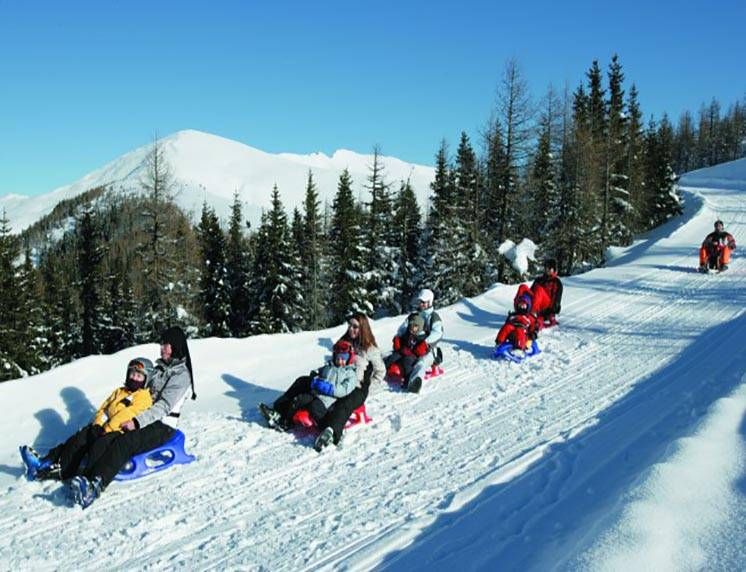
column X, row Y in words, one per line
column 33, row 463
column 273, row 418
column 723, row 268
column 84, row 492
column 324, row 439
column 415, row 385
column 703, row 268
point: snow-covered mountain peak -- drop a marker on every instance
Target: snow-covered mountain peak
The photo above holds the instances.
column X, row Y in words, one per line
column 208, row 167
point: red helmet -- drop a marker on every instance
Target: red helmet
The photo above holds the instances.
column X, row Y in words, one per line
column 344, row 350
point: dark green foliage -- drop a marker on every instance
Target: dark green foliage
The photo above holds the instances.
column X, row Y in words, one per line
column 311, row 245
column 214, row 292
column 408, row 235
column 347, row 256
column 90, row 255
column 238, row 264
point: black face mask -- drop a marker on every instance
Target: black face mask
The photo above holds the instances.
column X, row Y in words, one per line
column 134, row 385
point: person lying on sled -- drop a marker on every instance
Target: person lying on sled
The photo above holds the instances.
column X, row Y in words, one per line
column 520, row 327
column 716, row 248
column 123, row 404
column 408, row 348
column 316, row 392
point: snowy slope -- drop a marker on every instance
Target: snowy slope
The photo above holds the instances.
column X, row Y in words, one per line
column 621, row 446
column 210, row 168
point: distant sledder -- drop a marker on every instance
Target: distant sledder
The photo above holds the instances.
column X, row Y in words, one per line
column 415, row 356
column 516, row 340
column 547, row 295
column 714, row 254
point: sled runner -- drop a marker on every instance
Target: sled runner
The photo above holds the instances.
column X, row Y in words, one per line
column 170, row 453
column 505, row 351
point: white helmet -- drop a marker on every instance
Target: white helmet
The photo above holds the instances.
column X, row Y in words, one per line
column 426, row 295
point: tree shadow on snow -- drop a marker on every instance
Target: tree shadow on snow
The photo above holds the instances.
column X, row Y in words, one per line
column 54, row 429
column 545, row 516
column 249, row 396
column 326, row 343
column 481, row 317
column 479, row 351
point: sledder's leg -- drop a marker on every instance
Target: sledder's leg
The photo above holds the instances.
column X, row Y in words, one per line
column 340, row 412
column 421, row 366
column 284, row 404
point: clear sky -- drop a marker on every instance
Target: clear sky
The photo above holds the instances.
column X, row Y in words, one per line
column 82, row 82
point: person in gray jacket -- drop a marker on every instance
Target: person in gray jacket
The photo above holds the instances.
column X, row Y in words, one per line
column 169, row 386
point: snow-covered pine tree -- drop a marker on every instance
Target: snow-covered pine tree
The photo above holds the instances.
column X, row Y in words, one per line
column 278, row 288
column 472, row 263
column 239, row 259
column 685, row 139
column 663, row 200
column 214, row 293
column 544, row 190
column 407, row 226
column 91, row 253
column 347, row 256
column 380, row 239
column 120, row 314
column 615, row 202
column 444, row 235
column 61, row 314
column 9, row 339
column 312, row 259
column 635, row 161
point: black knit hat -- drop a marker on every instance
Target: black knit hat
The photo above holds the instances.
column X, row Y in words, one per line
column 176, row 337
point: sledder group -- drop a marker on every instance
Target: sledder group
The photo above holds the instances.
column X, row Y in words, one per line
column 140, row 418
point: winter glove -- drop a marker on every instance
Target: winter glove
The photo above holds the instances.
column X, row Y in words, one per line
column 322, row 386
column 421, row 349
column 397, row 343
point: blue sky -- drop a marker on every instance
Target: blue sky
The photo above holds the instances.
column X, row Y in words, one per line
column 83, row 82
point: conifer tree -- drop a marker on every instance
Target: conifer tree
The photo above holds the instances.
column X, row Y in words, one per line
column 409, row 237
column 279, row 292
column 312, row 259
column 238, row 265
column 90, row 255
column 214, row 292
column 9, row 339
column 382, row 263
column 635, row 160
column 347, row 256
column 157, row 249
column 514, row 114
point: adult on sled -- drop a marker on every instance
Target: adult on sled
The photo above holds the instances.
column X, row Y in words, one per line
column 169, row 385
column 63, row 461
column 547, row 307
column 369, row 369
column 316, row 392
column 716, row 248
column 433, row 330
column 370, row 373
column 520, row 327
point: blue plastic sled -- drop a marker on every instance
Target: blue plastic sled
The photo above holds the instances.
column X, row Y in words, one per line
column 505, row 351
column 170, row 453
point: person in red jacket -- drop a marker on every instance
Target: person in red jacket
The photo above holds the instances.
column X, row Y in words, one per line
column 520, row 326
column 408, row 348
column 551, row 285
column 716, row 248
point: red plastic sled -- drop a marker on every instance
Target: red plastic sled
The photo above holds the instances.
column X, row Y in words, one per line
column 360, row 415
column 393, row 374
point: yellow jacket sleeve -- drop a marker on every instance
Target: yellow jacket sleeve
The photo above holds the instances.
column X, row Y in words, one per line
column 100, row 417
column 141, row 401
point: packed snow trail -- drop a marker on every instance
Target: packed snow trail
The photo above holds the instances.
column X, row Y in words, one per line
column 494, row 464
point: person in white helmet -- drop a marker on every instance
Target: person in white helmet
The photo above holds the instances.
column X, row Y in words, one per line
column 433, row 328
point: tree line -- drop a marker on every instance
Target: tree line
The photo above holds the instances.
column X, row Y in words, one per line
column 575, row 173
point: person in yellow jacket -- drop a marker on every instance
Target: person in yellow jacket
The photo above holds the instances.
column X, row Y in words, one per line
column 63, row 461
